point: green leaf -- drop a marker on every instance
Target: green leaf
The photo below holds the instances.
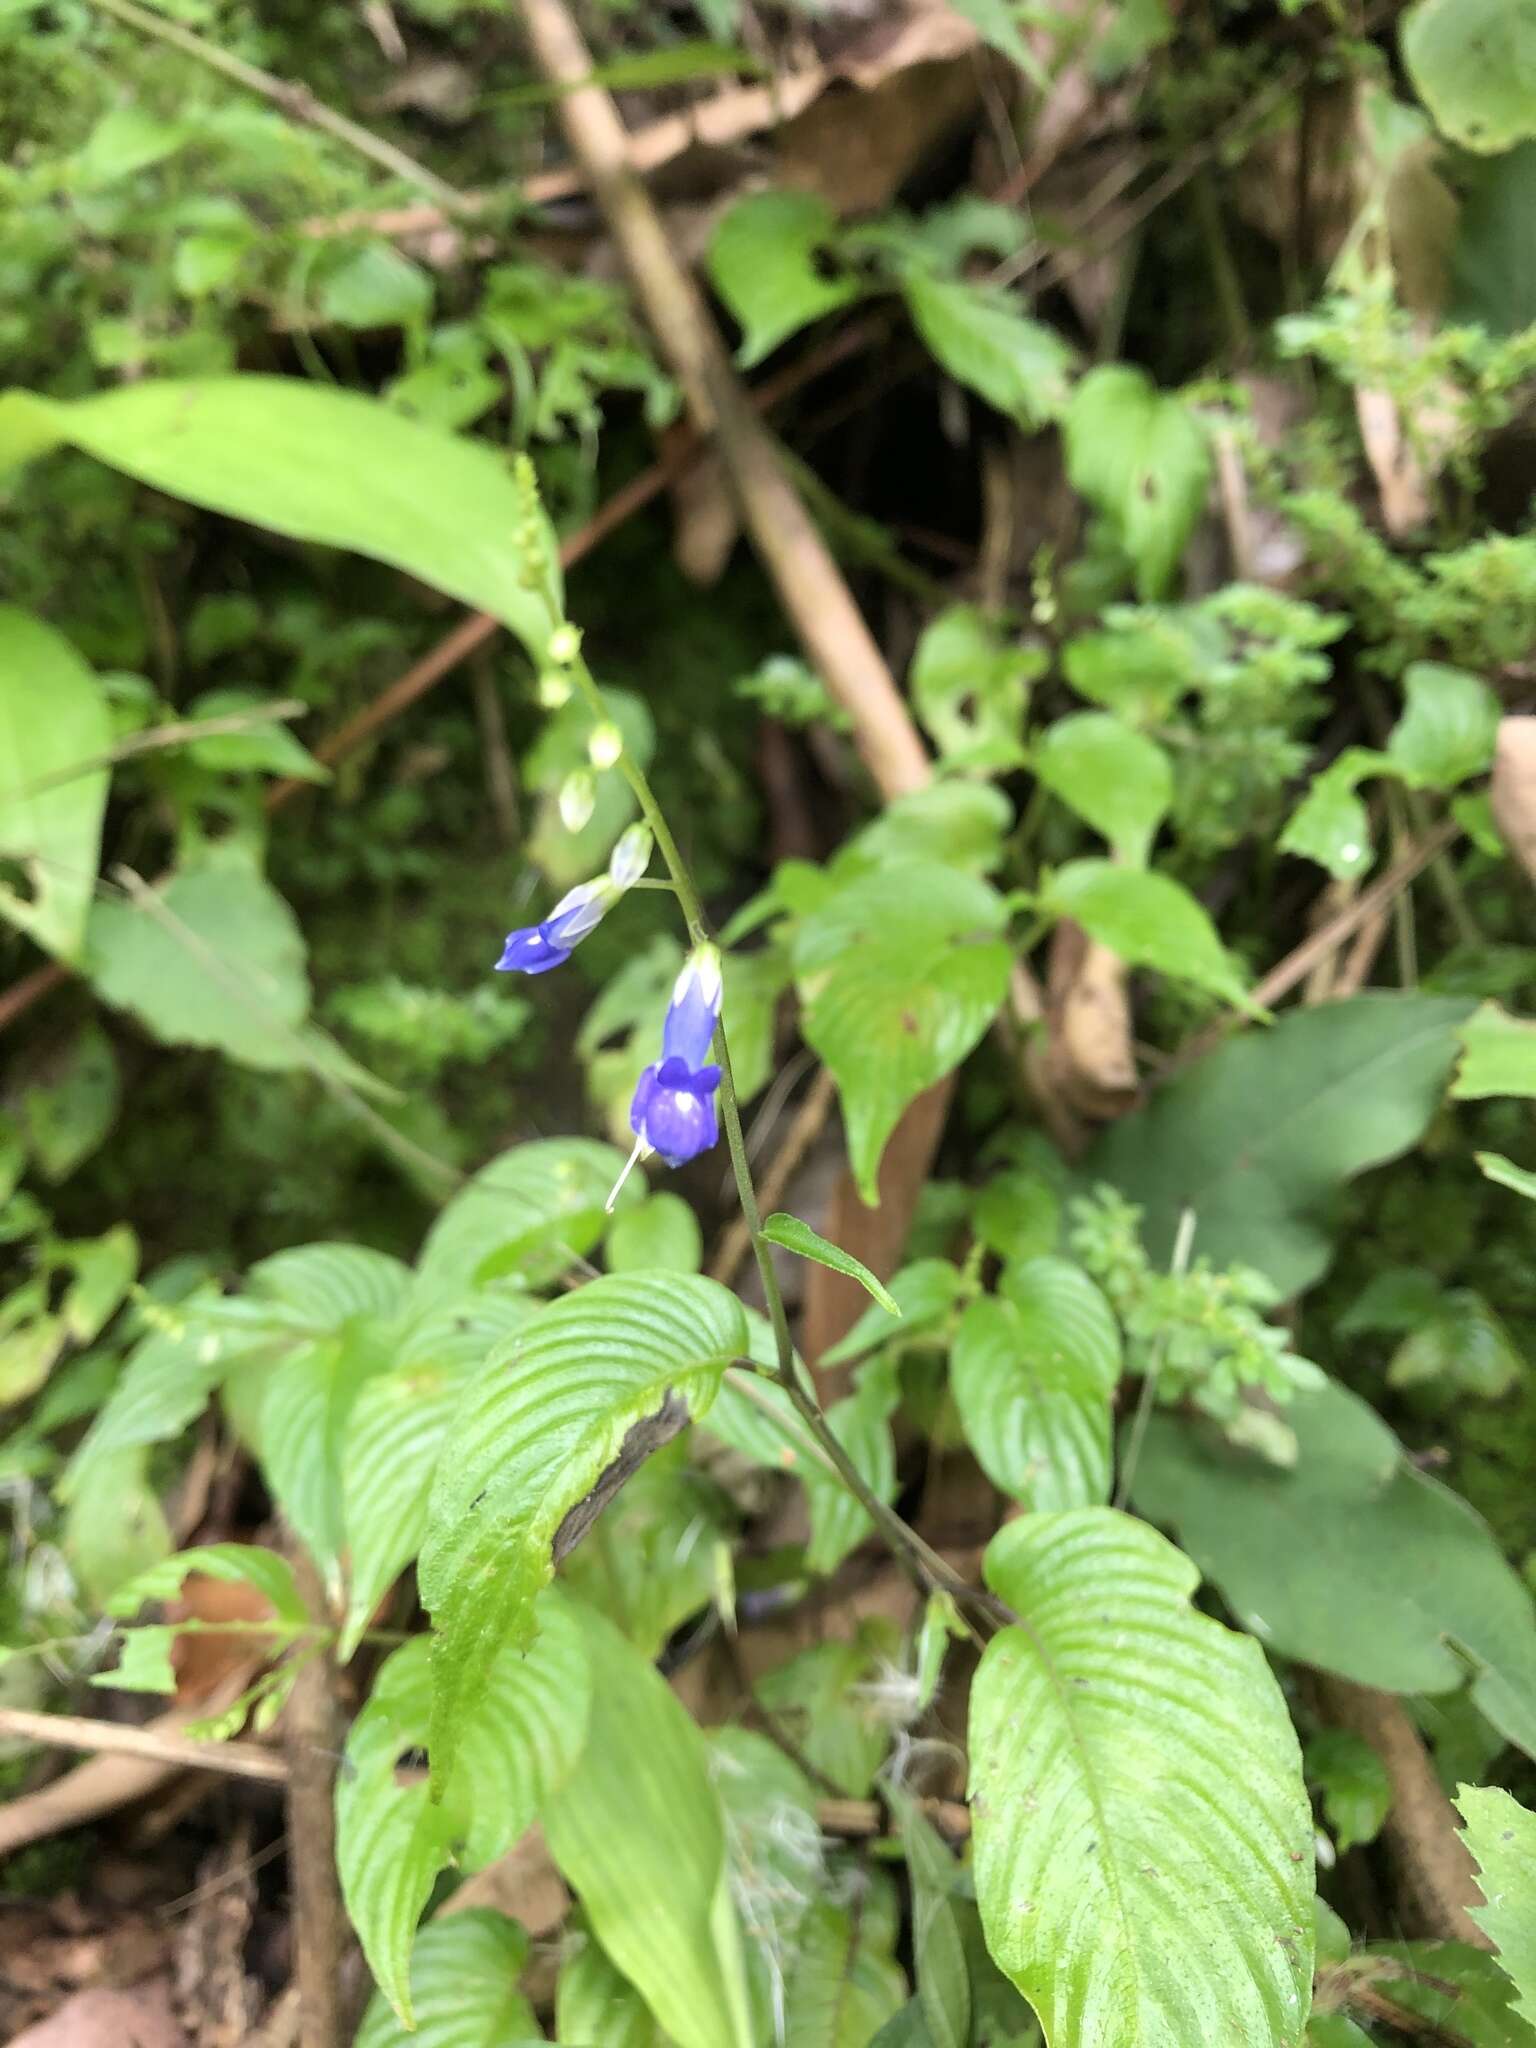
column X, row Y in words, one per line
column 530, row 1213
column 1130, row 1914
column 67, row 1114
column 1493, row 263
column 595, row 2002
column 660, row 1231
column 376, row 286
column 777, row 1856
column 213, row 958
column 766, row 263
column 1116, row 779
column 319, row 464
column 1331, row 825
column 969, row 685
column 842, row 1988
column 315, row 1290
column 943, row 1981
column 827, row 1700
column 463, row 1991
column 638, row 1834
column 261, row 747
column 104, row 1268
column 164, row 1386
column 111, row 1534
column 1462, row 1346
column 591, row 1385
column 1032, row 1377
column 1507, row 1174
column 1148, row 919
column 1139, row 456
column 247, row 1564
column 658, row 1557
column 1259, row 1137
column 1017, row 1215
column 1428, row 1591
column 978, row 334
column 799, row 1238
column 900, row 974
column 125, row 140
column 1449, row 729
column 925, row 1292
column 523, row 1731
column 305, row 1406
column 996, row 23
column 1498, row 1055
column 861, row 1424
column 53, row 720
column 1357, row 1793
column 394, row 1432
column 1457, row 1989
column 1502, row 1836
column 1473, row 63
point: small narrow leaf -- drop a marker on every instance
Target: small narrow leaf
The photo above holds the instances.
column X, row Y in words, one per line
column 590, row 1386
column 639, row 1835
column 235, row 1563
column 799, row 1237
column 1507, row 1174
column 1130, row 1913
column 1501, row 1833
column 1498, row 1055
column 980, row 336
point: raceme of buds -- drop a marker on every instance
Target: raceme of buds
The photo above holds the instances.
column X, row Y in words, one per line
column 673, row 1111
column 535, row 948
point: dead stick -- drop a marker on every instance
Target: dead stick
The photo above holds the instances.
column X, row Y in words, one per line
column 314, row 1732
column 1435, row 1872
column 156, row 1743
column 809, row 584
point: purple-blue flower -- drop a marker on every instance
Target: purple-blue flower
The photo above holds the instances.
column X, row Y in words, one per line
column 673, row 1111
column 535, row 948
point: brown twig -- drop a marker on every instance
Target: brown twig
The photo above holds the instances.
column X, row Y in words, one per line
column 156, row 1743
column 810, row 587
column 1435, row 1871
column 313, row 1727
column 297, row 101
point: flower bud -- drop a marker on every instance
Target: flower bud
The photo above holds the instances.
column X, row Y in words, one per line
column 564, row 645
column 577, row 799
column 553, row 690
column 605, row 743
column 631, row 857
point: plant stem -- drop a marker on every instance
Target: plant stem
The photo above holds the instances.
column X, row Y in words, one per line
column 922, row 1564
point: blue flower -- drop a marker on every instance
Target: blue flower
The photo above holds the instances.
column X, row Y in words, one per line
column 673, row 1111
column 535, row 948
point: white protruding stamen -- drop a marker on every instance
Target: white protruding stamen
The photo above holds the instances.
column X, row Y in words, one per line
column 641, row 1151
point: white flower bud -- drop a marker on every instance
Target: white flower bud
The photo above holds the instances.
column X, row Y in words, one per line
column 553, row 690
column 631, row 857
column 605, row 743
column 578, row 796
column 564, row 645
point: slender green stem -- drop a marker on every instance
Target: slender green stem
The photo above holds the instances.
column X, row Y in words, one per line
column 922, row 1564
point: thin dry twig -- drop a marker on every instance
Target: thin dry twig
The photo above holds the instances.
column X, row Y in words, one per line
column 810, row 586
column 157, row 1743
column 313, row 1728
column 297, row 101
